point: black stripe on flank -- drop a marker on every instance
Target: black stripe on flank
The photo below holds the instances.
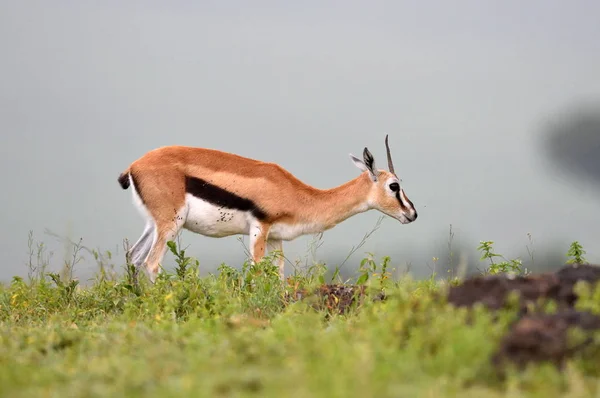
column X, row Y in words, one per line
column 221, row 197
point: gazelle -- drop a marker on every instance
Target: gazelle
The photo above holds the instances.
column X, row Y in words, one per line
column 219, row 194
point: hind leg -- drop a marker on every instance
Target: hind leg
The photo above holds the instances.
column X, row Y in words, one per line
column 138, row 252
column 143, row 251
column 160, row 194
column 164, row 232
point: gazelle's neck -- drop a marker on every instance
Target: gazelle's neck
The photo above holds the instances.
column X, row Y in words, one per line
column 329, row 207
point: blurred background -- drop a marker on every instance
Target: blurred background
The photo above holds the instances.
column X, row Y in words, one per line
column 493, row 112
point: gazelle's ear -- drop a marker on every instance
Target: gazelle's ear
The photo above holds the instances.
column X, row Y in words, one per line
column 369, row 160
column 359, row 163
column 367, row 165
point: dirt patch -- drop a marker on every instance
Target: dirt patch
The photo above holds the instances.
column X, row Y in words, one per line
column 570, row 275
column 535, row 336
column 493, row 291
column 334, row 298
column 545, row 338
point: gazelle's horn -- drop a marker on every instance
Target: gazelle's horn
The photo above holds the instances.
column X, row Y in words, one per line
column 389, row 156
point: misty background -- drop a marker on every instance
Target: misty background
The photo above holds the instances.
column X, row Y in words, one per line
column 492, row 110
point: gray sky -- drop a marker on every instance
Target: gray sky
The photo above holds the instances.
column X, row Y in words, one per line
column 465, row 89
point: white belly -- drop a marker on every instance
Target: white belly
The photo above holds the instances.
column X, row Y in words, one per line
column 289, row 232
column 215, row 221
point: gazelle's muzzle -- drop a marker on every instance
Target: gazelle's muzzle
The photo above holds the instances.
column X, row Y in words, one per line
column 408, row 217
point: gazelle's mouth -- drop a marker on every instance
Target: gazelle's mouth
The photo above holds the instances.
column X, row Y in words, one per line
column 404, row 219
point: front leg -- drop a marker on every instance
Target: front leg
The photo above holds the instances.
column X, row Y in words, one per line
column 276, row 246
column 258, row 240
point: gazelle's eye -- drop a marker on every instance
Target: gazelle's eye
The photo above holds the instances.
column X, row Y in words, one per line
column 394, row 186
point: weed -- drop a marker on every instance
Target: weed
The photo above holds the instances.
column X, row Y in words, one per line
column 39, row 259
column 368, row 270
column 181, row 260
column 576, row 253
column 450, row 253
column 530, row 249
column 512, row 266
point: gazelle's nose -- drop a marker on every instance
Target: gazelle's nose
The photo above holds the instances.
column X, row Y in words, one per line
column 412, row 216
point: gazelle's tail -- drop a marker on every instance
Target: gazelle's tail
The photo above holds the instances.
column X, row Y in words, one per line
column 124, row 179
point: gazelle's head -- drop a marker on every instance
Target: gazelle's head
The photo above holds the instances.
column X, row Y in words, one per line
column 387, row 194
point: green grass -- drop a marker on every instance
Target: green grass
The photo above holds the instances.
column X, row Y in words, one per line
column 237, row 333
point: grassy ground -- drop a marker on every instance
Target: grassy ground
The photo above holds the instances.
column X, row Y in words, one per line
column 240, row 333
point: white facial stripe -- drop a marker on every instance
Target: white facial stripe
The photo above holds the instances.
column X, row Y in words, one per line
column 404, row 199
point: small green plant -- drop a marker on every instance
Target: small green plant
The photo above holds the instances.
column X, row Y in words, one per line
column 576, row 253
column 512, row 266
column 336, row 275
column 530, row 249
column 67, row 289
column 104, row 260
column 131, row 281
column 368, row 268
column 384, row 275
column 231, row 276
column 39, row 259
column 316, row 272
column 68, row 269
column 450, row 253
column 181, row 259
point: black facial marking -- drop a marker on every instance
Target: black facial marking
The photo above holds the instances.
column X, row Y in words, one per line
column 221, row 197
column 403, row 204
